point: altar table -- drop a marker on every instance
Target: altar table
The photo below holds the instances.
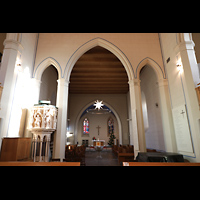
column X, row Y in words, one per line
column 98, row 145
column 98, row 142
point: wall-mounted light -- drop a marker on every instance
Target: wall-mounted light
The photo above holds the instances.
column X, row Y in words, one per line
column 179, row 67
column 156, row 105
column 18, row 65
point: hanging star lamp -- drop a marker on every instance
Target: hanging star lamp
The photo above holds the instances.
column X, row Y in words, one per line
column 98, row 104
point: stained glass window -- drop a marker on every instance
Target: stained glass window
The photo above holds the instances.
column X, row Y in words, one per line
column 110, row 126
column 86, row 126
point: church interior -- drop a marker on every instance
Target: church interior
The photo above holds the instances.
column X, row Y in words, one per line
column 98, row 99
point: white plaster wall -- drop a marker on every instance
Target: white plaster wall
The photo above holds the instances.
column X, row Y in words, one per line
column 176, row 91
column 61, row 46
column 29, row 42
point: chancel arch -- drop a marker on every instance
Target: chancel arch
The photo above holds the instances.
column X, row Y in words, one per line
column 119, row 76
column 83, row 110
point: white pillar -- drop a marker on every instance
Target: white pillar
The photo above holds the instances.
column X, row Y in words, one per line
column 35, row 88
column 185, row 55
column 166, row 113
column 139, row 114
column 62, row 104
column 134, row 139
column 41, row 142
column 8, row 74
column 48, row 139
column 34, row 97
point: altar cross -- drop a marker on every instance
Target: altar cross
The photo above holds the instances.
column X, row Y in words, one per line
column 98, row 127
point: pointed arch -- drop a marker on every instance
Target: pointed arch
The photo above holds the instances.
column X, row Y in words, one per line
column 108, row 105
column 159, row 72
column 105, row 44
column 37, row 73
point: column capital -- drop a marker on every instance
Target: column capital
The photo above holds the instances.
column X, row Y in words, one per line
column 63, row 82
column 137, row 82
column 36, row 81
column 13, row 44
column 162, row 82
column 134, row 82
column 185, row 45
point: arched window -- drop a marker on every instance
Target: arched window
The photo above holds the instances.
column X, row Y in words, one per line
column 110, row 126
column 86, row 126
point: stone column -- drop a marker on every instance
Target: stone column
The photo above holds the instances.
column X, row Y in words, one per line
column 11, row 54
column 140, row 121
column 41, row 142
column 62, row 104
column 48, row 139
column 134, row 139
column 166, row 113
column 34, row 147
column 190, row 77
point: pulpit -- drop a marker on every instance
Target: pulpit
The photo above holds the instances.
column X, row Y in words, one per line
column 43, row 121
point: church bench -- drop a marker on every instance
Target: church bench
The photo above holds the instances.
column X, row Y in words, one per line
column 125, row 153
column 115, row 149
column 74, row 153
column 160, row 164
column 122, row 157
column 39, row 163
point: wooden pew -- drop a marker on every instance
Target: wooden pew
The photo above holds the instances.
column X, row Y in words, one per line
column 39, row 163
column 160, row 164
column 125, row 153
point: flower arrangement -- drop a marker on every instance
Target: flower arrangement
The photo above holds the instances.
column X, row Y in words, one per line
column 94, row 138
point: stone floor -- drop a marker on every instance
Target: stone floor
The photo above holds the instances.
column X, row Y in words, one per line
column 103, row 158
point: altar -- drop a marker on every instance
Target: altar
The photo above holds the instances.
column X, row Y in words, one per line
column 98, row 142
column 98, row 145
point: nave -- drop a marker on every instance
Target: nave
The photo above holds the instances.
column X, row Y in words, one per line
column 103, row 158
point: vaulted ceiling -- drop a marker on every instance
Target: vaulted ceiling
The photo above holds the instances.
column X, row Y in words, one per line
column 98, row 71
